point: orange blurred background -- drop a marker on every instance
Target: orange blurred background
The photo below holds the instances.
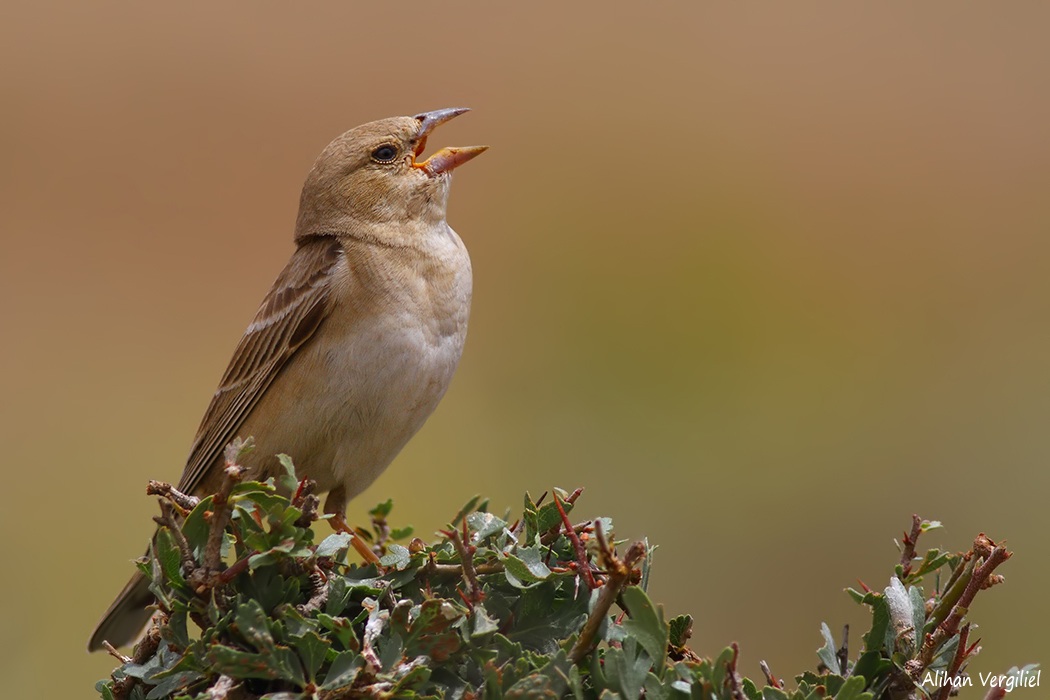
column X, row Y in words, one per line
column 765, row 279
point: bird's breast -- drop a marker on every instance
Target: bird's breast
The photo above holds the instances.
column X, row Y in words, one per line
column 389, row 347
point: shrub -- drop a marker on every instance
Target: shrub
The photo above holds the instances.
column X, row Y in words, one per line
column 250, row 606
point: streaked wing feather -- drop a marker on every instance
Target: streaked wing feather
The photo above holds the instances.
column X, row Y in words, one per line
column 292, row 311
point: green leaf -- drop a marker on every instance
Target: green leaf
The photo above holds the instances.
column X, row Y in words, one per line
column 397, row 556
column 173, row 674
column 548, row 516
column 400, row 533
column 416, row 674
column 281, row 664
column 681, row 628
column 945, row 653
column 525, row 568
column 196, row 528
column 467, row 508
column 332, row 545
column 656, row 690
column 865, row 598
column 339, row 592
column 625, row 669
column 288, row 482
column 879, row 638
column 169, row 557
column 342, row 629
column 529, row 518
column 343, row 671
column 312, row 650
column 871, row 665
column 382, row 509
column 430, row 632
column 285, row 549
column 546, row 613
column 548, row 680
column 105, row 689
column 720, row 666
column 828, row 653
column 647, row 625
column 750, row 689
column 295, row 624
column 485, row 525
column 176, row 632
column 918, row 612
column 252, row 625
column 267, row 587
column 647, row 561
column 481, row 622
column 853, row 689
column 933, row 560
column 173, row 683
column 251, row 487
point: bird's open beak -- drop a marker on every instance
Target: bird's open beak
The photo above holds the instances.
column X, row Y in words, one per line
column 446, row 159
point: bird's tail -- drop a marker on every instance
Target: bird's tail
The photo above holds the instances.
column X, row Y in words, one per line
column 126, row 617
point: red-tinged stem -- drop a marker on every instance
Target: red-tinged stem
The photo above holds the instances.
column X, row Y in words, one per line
column 957, row 660
column 581, row 552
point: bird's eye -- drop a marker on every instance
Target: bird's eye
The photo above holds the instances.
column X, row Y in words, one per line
column 385, row 153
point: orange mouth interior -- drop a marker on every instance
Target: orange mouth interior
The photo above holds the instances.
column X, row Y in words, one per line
column 420, row 146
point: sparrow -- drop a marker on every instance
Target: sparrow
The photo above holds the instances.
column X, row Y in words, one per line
column 356, row 342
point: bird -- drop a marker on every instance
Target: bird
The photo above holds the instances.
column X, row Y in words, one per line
column 358, row 338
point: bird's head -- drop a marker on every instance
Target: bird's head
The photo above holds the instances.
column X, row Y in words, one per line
column 372, row 177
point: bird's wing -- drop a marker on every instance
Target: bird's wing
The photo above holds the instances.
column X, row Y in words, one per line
column 291, row 313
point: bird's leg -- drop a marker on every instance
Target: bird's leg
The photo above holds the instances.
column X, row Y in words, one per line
column 335, row 505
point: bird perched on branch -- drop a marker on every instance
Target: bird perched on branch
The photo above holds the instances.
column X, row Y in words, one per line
column 358, row 338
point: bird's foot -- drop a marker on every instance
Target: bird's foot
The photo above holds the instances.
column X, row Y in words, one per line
column 339, row 524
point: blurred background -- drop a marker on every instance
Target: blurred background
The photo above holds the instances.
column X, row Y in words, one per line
column 765, row 279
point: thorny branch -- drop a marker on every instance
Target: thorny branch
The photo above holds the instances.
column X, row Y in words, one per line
column 992, row 556
column 167, row 519
column 548, row 538
column 908, row 545
column 842, row 655
column 581, row 552
column 142, row 653
column 619, row 574
column 434, row 569
column 466, row 554
column 552, row 534
column 318, row 583
column 307, row 501
column 770, row 678
column 208, row 575
column 957, row 661
column 975, row 573
column 165, row 490
column 732, row 677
